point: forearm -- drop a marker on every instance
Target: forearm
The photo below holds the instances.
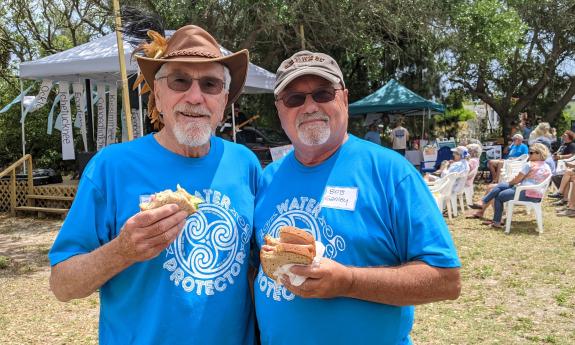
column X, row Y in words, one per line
column 81, row 275
column 409, row 284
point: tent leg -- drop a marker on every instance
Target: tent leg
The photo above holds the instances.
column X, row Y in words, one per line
column 23, row 121
column 233, row 122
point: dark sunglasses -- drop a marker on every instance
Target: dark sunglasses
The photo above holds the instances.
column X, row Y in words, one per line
column 296, row 99
column 181, row 82
column 533, row 152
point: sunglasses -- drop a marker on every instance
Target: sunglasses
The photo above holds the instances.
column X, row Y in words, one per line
column 181, row 82
column 533, row 152
column 297, row 99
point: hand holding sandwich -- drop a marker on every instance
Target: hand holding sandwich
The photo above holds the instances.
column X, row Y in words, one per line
column 329, row 279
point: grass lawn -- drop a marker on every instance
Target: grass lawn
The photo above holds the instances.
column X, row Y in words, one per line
column 517, row 288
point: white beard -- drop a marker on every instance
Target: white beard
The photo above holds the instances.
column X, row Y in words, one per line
column 195, row 132
column 313, row 134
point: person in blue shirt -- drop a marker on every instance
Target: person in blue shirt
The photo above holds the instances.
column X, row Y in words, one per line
column 387, row 247
column 515, row 150
column 165, row 277
column 373, row 134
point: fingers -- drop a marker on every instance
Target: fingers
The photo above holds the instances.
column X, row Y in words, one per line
column 166, row 237
column 310, row 271
column 149, row 217
column 164, row 225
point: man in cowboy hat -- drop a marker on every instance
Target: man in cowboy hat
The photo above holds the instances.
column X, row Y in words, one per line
column 387, row 247
column 165, row 277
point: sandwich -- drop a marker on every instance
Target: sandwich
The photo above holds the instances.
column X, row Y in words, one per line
column 181, row 197
column 294, row 246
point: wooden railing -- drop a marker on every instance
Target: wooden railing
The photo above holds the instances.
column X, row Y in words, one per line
column 27, row 159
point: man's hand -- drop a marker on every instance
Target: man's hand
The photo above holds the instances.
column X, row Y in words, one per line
column 329, row 279
column 147, row 233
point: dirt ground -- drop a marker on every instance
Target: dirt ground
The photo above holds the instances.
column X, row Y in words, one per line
column 517, row 288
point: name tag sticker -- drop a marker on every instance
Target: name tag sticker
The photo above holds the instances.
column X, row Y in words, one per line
column 342, row 198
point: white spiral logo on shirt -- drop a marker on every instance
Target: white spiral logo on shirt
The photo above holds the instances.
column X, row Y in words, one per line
column 208, row 244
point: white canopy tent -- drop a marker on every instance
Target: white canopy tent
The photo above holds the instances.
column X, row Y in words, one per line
column 98, row 61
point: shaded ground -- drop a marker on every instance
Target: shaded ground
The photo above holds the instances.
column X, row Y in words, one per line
column 517, row 288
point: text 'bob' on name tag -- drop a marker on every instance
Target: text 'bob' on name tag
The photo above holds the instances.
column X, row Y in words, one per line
column 343, row 198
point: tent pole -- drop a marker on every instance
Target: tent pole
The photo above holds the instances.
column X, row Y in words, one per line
column 121, row 57
column 23, row 120
column 141, row 114
column 234, row 122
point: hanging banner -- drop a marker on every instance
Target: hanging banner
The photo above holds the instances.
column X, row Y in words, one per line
column 15, row 100
column 40, row 100
column 101, row 121
column 66, row 130
column 51, row 115
column 136, row 124
column 80, row 100
column 112, row 115
column 124, row 130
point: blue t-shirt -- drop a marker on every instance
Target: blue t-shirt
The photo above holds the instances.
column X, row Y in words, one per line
column 392, row 219
column 517, row 150
column 196, row 291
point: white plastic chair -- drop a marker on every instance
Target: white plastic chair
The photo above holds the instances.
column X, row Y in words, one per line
column 442, row 190
column 535, row 206
column 457, row 195
column 510, row 169
column 560, row 169
column 468, row 191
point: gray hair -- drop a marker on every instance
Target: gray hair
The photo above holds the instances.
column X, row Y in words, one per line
column 474, row 150
column 227, row 76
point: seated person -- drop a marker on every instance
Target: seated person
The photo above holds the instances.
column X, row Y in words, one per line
column 565, row 151
column 459, row 164
column 533, row 172
column 567, row 203
column 564, row 187
column 516, row 149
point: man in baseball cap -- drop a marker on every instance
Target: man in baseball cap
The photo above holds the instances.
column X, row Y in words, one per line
column 166, row 277
column 387, row 247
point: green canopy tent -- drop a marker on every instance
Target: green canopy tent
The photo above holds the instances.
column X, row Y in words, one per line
column 396, row 98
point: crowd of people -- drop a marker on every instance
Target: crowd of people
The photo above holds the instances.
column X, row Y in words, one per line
column 537, row 165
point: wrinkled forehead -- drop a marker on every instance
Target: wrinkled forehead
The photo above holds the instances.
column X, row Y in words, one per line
column 204, row 68
column 305, row 81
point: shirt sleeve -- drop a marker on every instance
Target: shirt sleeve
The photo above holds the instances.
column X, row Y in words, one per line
column 419, row 229
column 87, row 226
column 525, row 168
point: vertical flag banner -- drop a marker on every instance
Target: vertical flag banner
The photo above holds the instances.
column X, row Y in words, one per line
column 101, row 122
column 124, row 129
column 51, row 115
column 80, row 100
column 136, row 130
column 66, row 131
column 112, row 115
column 41, row 98
column 15, row 100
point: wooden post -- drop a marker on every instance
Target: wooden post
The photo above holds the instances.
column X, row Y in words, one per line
column 13, row 192
column 124, row 75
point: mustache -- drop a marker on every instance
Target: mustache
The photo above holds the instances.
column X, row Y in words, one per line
column 192, row 109
column 318, row 115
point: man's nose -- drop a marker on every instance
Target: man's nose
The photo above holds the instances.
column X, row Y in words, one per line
column 309, row 105
column 194, row 94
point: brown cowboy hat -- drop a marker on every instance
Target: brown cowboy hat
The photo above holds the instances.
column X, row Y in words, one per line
column 193, row 44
